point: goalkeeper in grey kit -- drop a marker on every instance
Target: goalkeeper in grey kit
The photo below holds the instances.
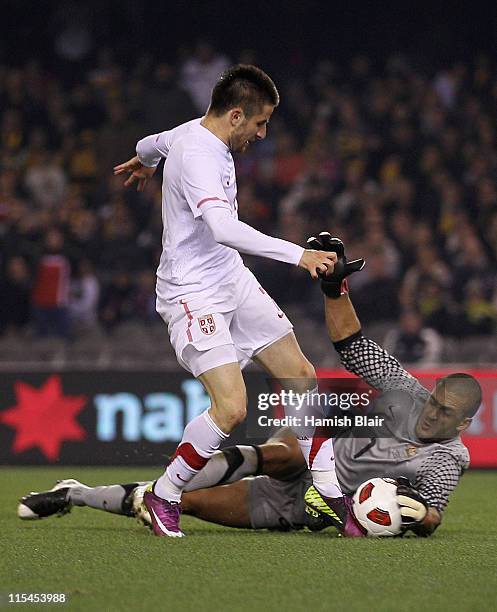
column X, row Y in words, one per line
column 269, row 486
column 423, row 450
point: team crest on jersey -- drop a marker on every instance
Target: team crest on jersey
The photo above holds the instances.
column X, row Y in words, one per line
column 411, row 450
column 207, row 324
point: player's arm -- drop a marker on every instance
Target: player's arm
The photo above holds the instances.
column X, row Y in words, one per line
column 422, row 504
column 430, row 523
column 417, row 515
column 238, row 235
column 203, row 189
column 151, row 149
column 149, row 152
column 359, row 354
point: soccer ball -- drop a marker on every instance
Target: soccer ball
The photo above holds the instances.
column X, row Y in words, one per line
column 376, row 508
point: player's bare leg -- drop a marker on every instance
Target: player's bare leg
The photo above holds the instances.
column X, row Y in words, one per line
column 281, row 456
column 201, row 439
column 216, row 494
column 225, row 505
column 285, row 361
column 228, row 505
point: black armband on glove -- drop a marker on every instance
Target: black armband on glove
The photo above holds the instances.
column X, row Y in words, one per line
column 413, row 506
column 334, row 284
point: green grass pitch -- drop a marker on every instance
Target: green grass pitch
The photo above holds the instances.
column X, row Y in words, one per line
column 107, row 562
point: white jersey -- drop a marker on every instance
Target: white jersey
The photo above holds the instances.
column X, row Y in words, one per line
column 199, row 179
column 199, row 173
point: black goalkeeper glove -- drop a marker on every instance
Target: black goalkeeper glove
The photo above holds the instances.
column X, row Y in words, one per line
column 334, row 284
column 413, row 506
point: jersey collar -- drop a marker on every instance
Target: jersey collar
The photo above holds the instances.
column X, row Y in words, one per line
column 213, row 139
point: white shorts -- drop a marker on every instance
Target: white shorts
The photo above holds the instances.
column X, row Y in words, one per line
column 231, row 324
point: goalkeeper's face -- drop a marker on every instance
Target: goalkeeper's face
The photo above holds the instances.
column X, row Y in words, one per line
column 443, row 416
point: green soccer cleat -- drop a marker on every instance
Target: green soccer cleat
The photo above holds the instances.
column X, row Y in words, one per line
column 331, row 512
column 324, row 511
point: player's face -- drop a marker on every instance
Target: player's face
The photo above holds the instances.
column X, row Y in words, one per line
column 248, row 130
column 442, row 416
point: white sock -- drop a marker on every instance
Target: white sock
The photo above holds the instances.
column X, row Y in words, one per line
column 200, row 441
column 318, row 453
column 326, row 482
column 305, row 444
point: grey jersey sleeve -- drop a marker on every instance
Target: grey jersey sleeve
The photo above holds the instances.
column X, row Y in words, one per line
column 437, row 477
column 363, row 357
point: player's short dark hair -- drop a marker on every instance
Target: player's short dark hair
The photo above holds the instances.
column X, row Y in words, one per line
column 467, row 387
column 245, row 86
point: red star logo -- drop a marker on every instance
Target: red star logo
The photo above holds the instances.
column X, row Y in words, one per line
column 44, row 417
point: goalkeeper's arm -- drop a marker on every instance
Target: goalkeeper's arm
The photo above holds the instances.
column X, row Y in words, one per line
column 417, row 514
column 431, row 521
column 422, row 504
column 361, row 355
column 358, row 354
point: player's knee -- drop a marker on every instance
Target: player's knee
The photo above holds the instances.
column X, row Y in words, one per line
column 230, row 412
column 309, row 371
column 281, row 458
column 275, row 452
column 238, row 409
column 236, row 415
column 305, row 370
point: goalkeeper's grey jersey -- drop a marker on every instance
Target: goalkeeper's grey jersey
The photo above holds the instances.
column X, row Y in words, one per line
column 434, row 468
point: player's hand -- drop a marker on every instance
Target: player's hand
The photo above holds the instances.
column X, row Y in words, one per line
column 334, row 283
column 413, row 506
column 137, row 172
column 318, row 263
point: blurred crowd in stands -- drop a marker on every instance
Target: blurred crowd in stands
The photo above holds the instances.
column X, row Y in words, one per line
column 400, row 163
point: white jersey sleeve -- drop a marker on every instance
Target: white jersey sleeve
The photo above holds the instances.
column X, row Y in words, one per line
column 238, row 235
column 153, row 148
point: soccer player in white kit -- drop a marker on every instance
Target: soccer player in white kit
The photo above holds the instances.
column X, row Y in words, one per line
column 218, row 315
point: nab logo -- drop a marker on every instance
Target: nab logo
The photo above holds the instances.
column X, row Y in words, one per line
column 158, row 417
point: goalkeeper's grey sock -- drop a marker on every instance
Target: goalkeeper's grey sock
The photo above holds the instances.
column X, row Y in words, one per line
column 109, row 498
column 227, row 465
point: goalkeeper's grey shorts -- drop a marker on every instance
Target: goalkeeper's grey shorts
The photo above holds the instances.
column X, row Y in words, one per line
column 278, row 504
